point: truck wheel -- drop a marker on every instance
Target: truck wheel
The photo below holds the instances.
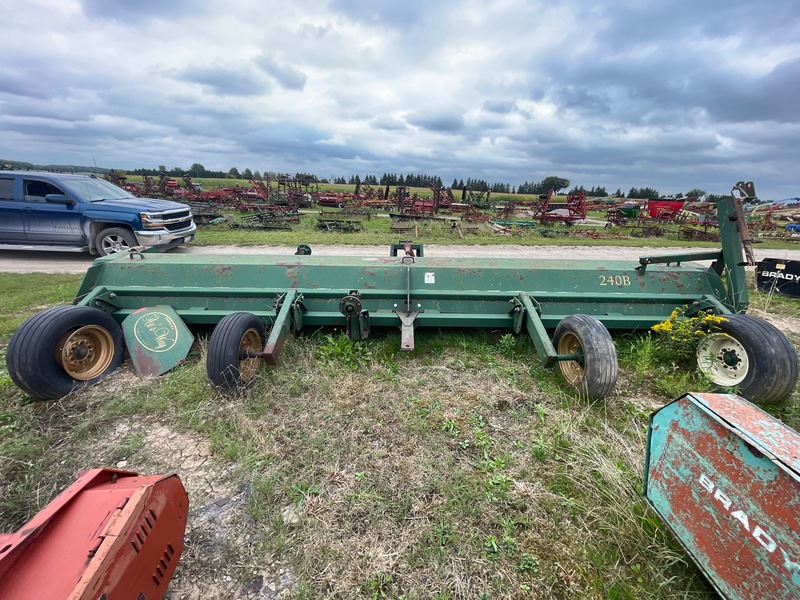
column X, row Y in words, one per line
column 594, row 374
column 114, row 239
column 752, row 356
column 227, row 364
column 62, row 348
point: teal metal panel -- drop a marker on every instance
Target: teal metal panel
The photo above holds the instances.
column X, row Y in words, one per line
column 157, row 339
column 725, row 477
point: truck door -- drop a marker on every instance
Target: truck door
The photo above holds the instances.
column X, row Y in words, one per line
column 11, row 223
column 48, row 222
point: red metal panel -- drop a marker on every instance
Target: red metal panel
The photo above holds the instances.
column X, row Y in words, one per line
column 110, row 534
column 725, row 477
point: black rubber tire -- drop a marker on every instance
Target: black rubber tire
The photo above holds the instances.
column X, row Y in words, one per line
column 224, row 363
column 768, row 367
column 595, row 376
column 114, row 239
column 31, row 353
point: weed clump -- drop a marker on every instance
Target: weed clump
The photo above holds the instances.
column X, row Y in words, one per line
column 681, row 334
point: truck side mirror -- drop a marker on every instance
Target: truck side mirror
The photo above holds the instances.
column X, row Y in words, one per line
column 59, row 199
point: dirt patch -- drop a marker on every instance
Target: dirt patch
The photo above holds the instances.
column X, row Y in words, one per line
column 788, row 325
column 218, row 535
column 216, row 541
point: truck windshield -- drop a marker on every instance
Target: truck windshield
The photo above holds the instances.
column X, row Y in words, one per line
column 95, row 190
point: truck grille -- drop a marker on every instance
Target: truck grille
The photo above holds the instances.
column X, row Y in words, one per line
column 175, row 220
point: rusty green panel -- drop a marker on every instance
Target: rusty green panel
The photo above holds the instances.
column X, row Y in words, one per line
column 157, row 339
column 409, row 292
column 725, row 477
column 617, row 292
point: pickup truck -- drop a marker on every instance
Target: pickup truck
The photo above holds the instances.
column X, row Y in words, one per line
column 60, row 211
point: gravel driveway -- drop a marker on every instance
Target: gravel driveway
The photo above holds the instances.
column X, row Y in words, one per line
column 22, row 261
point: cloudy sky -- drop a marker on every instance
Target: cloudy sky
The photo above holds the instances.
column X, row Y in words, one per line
column 671, row 95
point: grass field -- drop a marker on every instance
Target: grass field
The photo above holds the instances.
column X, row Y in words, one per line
column 354, row 470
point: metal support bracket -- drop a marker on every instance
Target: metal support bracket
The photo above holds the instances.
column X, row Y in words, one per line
column 676, row 259
column 101, row 298
column 283, row 321
column 297, row 313
column 357, row 317
column 528, row 314
column 408, row 322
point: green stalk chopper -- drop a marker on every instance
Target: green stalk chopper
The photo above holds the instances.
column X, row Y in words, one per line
column 254, row 302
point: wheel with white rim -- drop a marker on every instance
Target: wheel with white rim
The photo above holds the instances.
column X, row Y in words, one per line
column 230, row 363
column 593, row 371
column 751, row 356
column 723, row 359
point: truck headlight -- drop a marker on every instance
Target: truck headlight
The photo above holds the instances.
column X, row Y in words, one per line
column 151, row 221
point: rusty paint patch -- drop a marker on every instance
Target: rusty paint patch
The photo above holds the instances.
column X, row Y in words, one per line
column 722, row 476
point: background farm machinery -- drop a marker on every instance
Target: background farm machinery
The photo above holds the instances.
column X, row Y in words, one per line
column 677, row 218
column 723, row 475
column 111, row 534
column 693, row 220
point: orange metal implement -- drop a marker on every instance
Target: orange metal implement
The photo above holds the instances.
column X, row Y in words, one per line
column 110, row 535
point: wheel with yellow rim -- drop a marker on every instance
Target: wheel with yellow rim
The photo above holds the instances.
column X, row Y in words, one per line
column 593, row 370
column 63, row 348
column 231, row 363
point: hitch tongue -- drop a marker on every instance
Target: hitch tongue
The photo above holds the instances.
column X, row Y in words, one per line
column 408, row 318
column 408, row 322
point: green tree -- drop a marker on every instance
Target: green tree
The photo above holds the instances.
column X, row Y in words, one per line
column 234, row 173
column 696, row 193
column 644, row 193
column 197, row 170
column 247, row 174
column 553, row 183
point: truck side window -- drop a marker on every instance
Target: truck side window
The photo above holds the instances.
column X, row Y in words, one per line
column 6, row 189
column 35, row 191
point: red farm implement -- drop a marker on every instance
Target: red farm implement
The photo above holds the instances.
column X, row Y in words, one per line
column 569, row 212
column 111, row 534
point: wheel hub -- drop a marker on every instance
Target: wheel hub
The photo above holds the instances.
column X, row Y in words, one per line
column 730, row 358
column 572, row 370
column 248, row 366
column 115, row 244
column 86, row 352
column 79, row 352
column 723, row 359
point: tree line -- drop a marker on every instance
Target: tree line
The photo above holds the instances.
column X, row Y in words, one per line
column 553, row 182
